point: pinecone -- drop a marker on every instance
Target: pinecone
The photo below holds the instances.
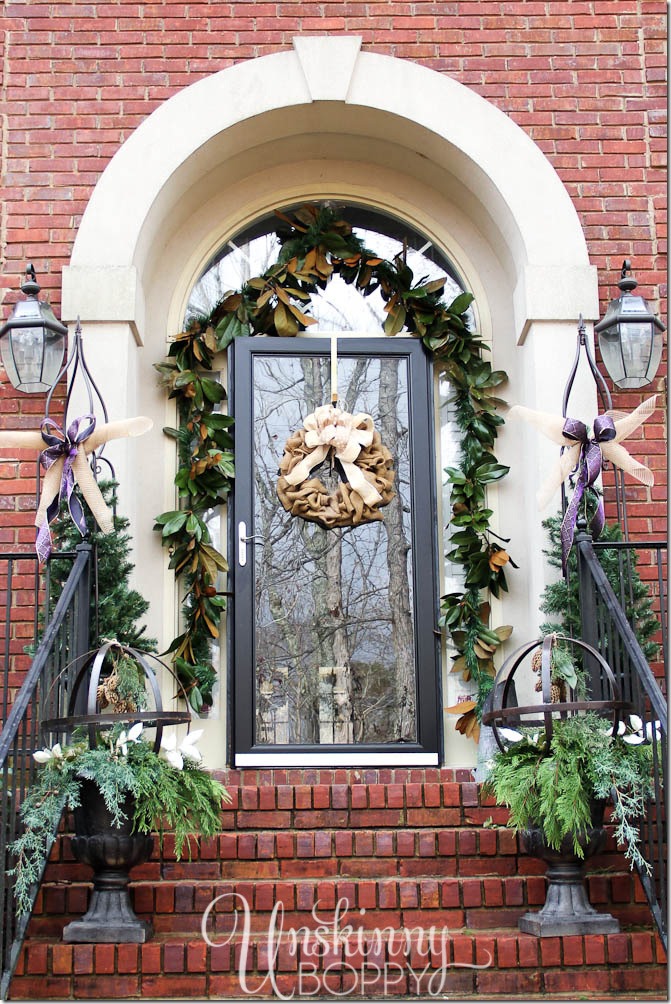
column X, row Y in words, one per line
column 107, row 694
column 536, row 662
column 557, row 690
column 557, row 693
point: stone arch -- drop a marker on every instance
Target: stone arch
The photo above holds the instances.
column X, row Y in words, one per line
column 326, row 88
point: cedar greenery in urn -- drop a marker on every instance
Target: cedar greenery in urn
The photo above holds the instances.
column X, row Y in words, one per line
column 559, row 767
column 120, row 785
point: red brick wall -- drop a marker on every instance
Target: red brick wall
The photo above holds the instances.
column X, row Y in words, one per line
column 584, row 78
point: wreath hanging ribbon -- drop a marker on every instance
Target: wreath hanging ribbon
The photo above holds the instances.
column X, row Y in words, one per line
column 63, row 456
column 366, row 464
column 584, row 455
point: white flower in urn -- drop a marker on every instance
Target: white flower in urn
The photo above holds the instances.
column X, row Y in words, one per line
column 176, row 755
column 513, row 736
column 45, row 755
column 132, row 736
column 637, row 732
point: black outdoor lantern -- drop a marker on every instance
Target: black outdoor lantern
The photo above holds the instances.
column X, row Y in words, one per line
column 630, row 336
column 32, row 341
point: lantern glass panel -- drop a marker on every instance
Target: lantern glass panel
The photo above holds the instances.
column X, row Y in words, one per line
column 32, row 358
column 631, row 352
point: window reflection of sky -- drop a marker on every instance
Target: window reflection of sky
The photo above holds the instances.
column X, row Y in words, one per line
column 339, row 307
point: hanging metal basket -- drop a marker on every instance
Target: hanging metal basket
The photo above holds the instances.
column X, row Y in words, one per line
column 505, row 710
column 83, row 705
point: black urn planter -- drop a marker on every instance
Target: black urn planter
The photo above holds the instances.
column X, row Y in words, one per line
column 567, row 909
column 112, row 852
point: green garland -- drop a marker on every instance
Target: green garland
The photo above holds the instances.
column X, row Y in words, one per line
column 316, row 244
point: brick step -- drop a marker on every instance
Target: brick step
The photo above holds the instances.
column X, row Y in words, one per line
column 388, row 850
column 479, row 902
column 502, row 963
column 480, row 874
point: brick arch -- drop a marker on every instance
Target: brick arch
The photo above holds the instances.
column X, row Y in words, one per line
column 323, row 87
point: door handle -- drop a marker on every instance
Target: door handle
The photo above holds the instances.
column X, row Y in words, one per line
column 242, row 542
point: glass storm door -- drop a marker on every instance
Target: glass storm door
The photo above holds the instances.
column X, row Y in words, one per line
column 334, row 651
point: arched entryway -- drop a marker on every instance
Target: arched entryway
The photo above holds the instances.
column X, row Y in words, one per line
column 327, row 120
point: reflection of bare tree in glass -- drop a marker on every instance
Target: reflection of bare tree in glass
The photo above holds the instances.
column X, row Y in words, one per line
column 397, row 559
column 327, row 601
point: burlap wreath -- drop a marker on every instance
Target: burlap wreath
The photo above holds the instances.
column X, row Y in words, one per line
column 366, row 463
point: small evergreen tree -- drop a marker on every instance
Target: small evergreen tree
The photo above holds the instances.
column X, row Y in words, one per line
column 561, row 599
column 119, row 608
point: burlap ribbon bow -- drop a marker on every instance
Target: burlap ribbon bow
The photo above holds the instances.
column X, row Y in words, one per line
column 331, row 430
column 585, row 455
column 63, row 456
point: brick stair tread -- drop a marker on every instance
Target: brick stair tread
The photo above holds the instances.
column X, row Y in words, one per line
column 511, row 947
column 483, row 897
column 170, row 965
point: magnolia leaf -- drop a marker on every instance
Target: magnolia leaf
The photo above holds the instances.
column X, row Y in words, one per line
column 212, row 628
column 435, row 342
column 174, row 524
column 298, row 294
column 482, row 650
column 395, row 321
column 214, row 555
column 434, row 286
column 286, row 325
column 497, row 559
column 461, row 303
column 364, row 277
column 461, row 708
column 504, row 632
column 310, row 260
column 469, row 726
column 292, row 223
column 307, row 214
column 301, row 317
column 231, row 302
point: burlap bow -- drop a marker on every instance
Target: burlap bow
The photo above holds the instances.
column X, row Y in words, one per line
column 330, row 430
column 585, row 455
column 63, row 456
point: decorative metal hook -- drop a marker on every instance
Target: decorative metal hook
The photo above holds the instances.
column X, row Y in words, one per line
column 601, row 386
column 77, row 361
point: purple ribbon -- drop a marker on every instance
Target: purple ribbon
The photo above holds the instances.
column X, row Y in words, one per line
column 589, row 468
column 60, row 445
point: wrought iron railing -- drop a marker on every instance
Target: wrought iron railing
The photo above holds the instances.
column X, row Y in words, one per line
column 64, row 630
column 606, row 628
column 648, row 560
